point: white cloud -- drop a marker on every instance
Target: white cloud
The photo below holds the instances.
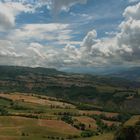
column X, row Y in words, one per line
column 48, row 32
column 129, row 37
column 89, row 41
column 9, row 55
column 72, row 52
column 132, row 12
column 8, row 13
column 123, row 47
column 7, row 19
column 56, row 6
column 10, row 9
column 36, row 48
column 94, row 51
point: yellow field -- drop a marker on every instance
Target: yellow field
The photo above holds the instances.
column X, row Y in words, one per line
column 132, row 121
column 87, row 121
column 32, row 99
column 12, row 126
column 32, row 117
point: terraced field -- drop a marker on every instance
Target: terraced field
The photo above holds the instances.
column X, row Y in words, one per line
column 89, row 122
column 18, row 126
column 110, row 123
column 36, row 117
column 34, row 99
column 108, row 114
column 132, row 121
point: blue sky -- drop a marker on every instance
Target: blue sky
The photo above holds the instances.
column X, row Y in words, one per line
column 98, row 14
column 70, row 33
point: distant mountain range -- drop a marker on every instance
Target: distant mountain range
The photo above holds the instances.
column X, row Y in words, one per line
column 130, row 73
column 93, row 70
column 19, row 70
column 40, row 79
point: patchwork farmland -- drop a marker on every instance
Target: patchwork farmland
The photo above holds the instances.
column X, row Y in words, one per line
column 38, row 117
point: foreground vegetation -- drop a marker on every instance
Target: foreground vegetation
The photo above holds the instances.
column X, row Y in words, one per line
column 38, row 117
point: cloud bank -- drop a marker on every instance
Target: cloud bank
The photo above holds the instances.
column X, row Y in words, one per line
column 25, row 45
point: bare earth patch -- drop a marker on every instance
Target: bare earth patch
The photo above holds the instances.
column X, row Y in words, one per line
column 110, row 123
column 32, row 99
column 58, row 125
column 89, row 122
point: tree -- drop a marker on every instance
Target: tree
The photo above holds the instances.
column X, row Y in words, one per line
column 128, row 133
column 87, row 133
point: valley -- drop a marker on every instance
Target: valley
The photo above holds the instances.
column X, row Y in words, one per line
column 69, row 69
column 45, row 104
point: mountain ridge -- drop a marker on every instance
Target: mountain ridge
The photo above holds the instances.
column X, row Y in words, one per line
column 84, row 88
column 132, row 73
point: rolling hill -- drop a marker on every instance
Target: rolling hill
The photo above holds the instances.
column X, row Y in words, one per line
column 88, row 89
column 42, row 103
column 130, row 73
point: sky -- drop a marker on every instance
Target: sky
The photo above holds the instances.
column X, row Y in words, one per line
column 70, row 34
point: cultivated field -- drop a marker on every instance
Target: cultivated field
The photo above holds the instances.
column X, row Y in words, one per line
column 14, row 126
column 38, row 117
column 89, row 122
column 31, row 98
column 133, row 120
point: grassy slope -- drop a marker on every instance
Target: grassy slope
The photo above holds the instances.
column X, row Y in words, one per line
column 15, row 126
column 132, row 121
column 107, row 136
column 12, row 127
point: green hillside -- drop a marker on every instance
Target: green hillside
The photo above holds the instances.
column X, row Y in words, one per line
column 102, row 91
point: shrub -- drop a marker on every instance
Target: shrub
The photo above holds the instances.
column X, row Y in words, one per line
column 87, row 133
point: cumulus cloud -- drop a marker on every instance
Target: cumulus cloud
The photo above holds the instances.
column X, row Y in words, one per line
column 123, row 47
column 10, row 9
column 9, row 55
column 55, row 32
column 7, row 19
column 94, row 51
column 89, row 40
column 129, row 37
column 36, row 48
column 8, row 13
column 26, row 40
column 72, row 53
column 132, row 12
